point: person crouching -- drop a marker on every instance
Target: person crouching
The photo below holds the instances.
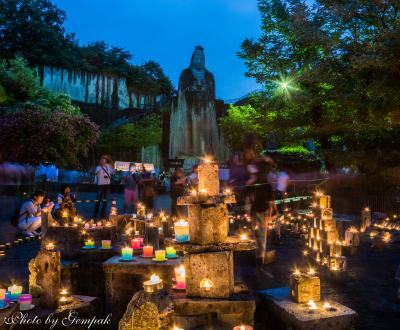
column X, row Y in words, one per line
column 30, row 216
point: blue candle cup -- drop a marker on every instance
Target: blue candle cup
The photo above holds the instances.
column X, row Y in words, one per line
column 182, row 238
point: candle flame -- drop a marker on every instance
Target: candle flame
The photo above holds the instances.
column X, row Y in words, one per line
column 312, row 305
column 154, row 278
column 311, row 271
column 327, row 305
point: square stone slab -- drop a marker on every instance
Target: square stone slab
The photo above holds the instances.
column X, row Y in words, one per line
column 232, row 243
column 214, row 267
column 200, row 312
column 299, row 317
column 208, row 224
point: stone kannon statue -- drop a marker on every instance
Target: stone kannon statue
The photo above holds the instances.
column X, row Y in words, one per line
column 193, row 126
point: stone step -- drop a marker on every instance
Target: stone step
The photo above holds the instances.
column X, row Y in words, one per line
column 287, row 314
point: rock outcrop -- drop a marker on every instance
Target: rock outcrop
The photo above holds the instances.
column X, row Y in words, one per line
column 91, row 88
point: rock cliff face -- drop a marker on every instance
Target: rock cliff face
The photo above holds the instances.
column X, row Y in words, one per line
column 193, row 125
column 99, row 89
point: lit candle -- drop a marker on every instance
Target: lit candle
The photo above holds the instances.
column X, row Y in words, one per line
column 243, row 327
column 180, row 277
column 64, row 292
column 243, row 237
column 135, row 243
column 89, row 244
column 153, row 285
column 3, row 298
column 206, row 284
column 203, row 191
column 160, row 255
column 181, row 229
column 147, row 251
column 106, row 244
column 25, row 302
column 227, row 192
column 327, row 306
column 311, row 272
column 50, row 246
column 127, row 253
column 63, row 300
column 171, row 252
column 177, row 328
column 296, row 272
column 312, row 305
column 15, row 291
column 163, row 217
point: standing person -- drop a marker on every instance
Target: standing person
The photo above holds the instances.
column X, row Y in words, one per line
column 147, row 183
column 103, row 180
column 30, row 214
column 177, row 190
column 131, row 181
column 262, row 202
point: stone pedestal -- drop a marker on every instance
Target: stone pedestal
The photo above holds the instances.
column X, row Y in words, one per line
column 45, row 277
column 366, row 220
column 335, row 249
column 338, row 263
column 208, row 178
column 352, row 237
column 214, row 267
column 232, row 243
column 124, row 279
column 324, row 201
column 208, row 313
column 304, row 288
column 68, row 240
column 208, row 224
column 286, row 314
column 330, row 235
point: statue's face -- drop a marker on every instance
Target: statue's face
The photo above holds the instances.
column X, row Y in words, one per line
column 198, row 60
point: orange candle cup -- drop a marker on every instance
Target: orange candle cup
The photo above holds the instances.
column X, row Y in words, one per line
column 106, row 244
column 147, row 251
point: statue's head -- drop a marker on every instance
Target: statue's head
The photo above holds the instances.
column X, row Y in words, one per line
column 198, row 60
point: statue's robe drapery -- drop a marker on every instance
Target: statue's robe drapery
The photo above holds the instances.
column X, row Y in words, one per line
column 193, row 125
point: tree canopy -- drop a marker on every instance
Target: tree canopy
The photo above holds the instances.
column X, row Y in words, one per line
column 34, row 30
column 131, row 137
column 330, row 70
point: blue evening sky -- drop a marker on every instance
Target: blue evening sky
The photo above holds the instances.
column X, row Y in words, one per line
column 168, row 30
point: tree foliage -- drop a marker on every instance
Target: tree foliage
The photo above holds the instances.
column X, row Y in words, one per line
column 20, row 88
column 37, row 125
column 131, row 137
column 35, row 136
column 331, row 72
column 34, row 30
